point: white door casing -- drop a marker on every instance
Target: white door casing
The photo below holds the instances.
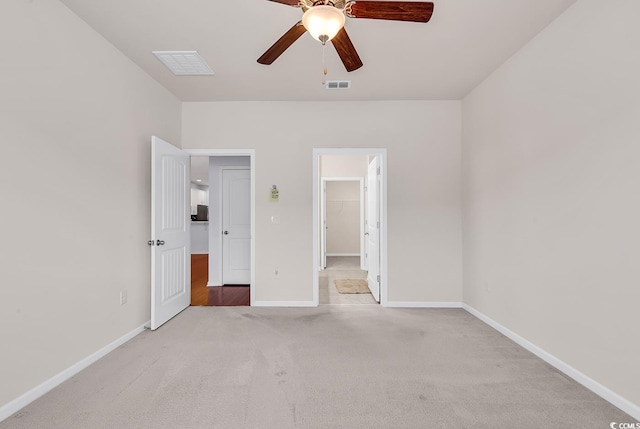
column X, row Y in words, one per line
column 373, row 228
column 236, row 226
column 170, row 215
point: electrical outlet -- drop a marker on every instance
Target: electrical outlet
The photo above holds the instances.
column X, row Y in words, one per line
column 123, row 297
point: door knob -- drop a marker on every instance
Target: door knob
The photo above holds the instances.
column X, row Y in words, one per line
column 226, row 233
column 160, row 242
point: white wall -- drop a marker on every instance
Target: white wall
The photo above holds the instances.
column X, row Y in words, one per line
column 343, row 165
column 76, row 118
column 424, row 207
column 551, row 162
column 343, row 218
column 199, row 237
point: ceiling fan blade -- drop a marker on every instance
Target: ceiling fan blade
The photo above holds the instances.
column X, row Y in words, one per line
column 346, row 51
column 393, row 10
column 294, row 3
column 282, row 44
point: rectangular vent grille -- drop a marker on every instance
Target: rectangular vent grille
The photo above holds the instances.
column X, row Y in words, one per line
column 184, row 63
column 338, row 84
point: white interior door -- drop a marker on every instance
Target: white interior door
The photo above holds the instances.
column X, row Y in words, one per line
column 363, row 222
column 323, row 225
column 373, row 229
column 236, row 226
column 170, row 209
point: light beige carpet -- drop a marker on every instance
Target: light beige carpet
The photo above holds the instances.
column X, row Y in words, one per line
column 351, row 285
column 346, row 367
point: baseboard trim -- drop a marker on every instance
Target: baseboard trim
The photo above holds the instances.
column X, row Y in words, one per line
column 22, row 401
column 423, row 304
column 283, row 304
column 210, row 284
column 604, row 392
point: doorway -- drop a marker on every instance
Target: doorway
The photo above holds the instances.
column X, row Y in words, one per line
column 342, row 277
column 342, row 216
column 342, row 206
column 221, row 273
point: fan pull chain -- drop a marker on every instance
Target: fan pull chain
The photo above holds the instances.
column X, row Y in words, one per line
column 324, row 66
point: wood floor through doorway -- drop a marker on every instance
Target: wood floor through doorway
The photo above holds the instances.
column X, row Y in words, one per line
column 216, row 295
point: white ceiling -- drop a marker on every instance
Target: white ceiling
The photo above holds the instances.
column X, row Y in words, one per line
column 443, row 59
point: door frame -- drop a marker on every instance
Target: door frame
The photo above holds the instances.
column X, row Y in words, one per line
column 323, row 215
column 251, row 153
column 381, row 153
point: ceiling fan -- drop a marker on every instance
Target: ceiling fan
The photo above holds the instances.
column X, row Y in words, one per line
column 324, row 19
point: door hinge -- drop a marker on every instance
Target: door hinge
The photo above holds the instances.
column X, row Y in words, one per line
column 378, row 171
column 378, row 278
column 378, row 225
column 151, row 242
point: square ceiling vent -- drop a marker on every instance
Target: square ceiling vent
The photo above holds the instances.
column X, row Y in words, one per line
column 184, row 63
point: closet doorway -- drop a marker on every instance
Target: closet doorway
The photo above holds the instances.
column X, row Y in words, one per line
column 343, row 271
column 349, row 267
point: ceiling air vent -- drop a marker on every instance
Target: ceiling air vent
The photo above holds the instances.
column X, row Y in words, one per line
column 184, row 63
column 338, row 84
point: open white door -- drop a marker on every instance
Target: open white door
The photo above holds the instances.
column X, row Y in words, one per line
column 170, row 210
column 236, row 226
column 323, row 225
column 363, row 222
column 373, row 228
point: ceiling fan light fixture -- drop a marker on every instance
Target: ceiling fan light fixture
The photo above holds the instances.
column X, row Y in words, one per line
column 323, row 22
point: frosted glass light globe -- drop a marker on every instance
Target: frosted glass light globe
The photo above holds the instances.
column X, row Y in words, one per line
column 323, row 22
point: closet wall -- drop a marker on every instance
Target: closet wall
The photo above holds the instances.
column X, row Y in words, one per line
column 343, row 218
